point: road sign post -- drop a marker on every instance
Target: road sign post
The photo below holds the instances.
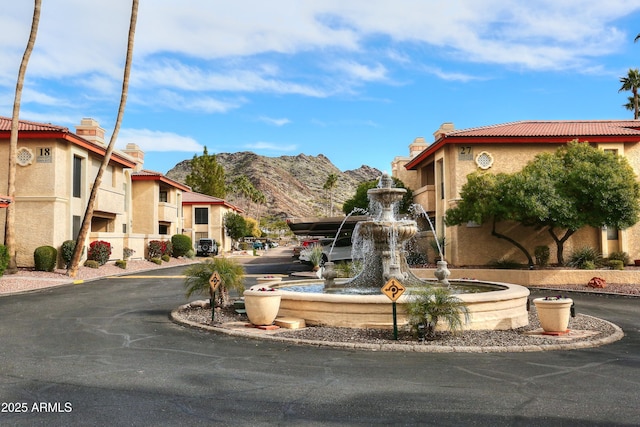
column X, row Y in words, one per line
column 393, row 289
column 214, row 282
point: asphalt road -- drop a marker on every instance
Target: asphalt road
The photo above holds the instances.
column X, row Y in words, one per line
column 105, row 353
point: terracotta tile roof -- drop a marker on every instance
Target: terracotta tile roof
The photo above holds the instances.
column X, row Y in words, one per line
column 553, row 128
column 148, row 175
column 191, row 197
column 25, row 125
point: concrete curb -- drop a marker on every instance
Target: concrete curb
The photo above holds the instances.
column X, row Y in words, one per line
column 417, row 348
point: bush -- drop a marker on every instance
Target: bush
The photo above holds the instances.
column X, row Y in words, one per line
column 127, row 252
column 417, row 259
column 581, row 256
column 157, row 248
column 505, row 264
column 66, row 251
column 4, row 259
column 165, row 258
column 432, row 304
column 620, row 256
column 191, row 254
column 542, row 255
column 616, row 264
column 100, row 251
column 90, row 263
column 45, row 258
column 156, row 260
column 231, row 272
column 181, row 244
column 122, row 264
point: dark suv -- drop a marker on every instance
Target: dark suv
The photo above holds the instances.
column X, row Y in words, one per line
column 206, row 247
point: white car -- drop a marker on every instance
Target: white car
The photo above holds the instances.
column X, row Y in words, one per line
column 341, row 250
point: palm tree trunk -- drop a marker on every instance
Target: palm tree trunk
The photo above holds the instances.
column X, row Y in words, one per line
column 86, row 221
column 9, row 231
column 635, row 104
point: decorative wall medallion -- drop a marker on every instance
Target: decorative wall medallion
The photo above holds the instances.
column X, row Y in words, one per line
column 24, row 156
column 484, row 160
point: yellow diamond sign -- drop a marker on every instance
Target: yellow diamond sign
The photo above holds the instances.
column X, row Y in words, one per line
column 393, row 289
column 215, row 281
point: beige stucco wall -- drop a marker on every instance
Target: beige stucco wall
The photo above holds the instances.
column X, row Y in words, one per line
column 214, row 229
column 475, row 245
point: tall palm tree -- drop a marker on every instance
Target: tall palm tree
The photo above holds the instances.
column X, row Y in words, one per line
column 329, row 185
column 631, row 82
column 9, row 231
column 86, row 221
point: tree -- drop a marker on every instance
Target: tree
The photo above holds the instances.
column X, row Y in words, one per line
column 577, row 186
column 360, row 201
column 9, row 232
column 330, row 185
column 236, row 225
column 86, row 221
column 631, row 82
column 207, row 175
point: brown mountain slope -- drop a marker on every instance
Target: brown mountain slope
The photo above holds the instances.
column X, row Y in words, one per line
column 292, row 185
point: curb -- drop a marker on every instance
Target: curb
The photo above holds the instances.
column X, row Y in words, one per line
column 618, row 334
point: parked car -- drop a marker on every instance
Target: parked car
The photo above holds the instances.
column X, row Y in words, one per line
column 341, row 250
column 258, row 245
column 206, row 247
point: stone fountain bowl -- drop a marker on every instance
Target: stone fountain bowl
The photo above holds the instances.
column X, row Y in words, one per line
column 502, row 309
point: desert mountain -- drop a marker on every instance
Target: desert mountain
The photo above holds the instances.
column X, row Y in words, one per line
column 292, row 185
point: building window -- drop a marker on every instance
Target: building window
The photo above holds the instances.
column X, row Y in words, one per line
column 77, row 222
column 163, row 229
column 612, row 233
column 124, row 228
column 201, row 215
column 77, row 176
column 163, row 196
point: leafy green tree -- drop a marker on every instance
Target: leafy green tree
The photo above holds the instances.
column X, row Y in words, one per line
column 236, row 225
column 361, row 200
column 330, row 185
column 577, row 186
column 631, row 82
column 207, row 175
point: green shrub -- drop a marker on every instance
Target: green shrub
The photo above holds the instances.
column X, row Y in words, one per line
column 588, row 265
column 165, row 258
column 181, row 244
column 432, row 304
column 505, row 264
column 4, row 259
column 620, row 256
column 156, row 260
column 581, row 256
column 90, row 263
column 100, row 251
column 417, row 259
column 66, row 251
column 127, row 252
column 244, row 246
column 45, row 258
column 122, row 264
column 231, row 272
column 616, row 264
column 542, row 255
column 191, row 254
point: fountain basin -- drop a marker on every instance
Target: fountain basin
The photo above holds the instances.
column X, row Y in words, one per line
column 495, row 310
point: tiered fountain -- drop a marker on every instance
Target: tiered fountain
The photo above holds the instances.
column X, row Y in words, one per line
column 359, row 302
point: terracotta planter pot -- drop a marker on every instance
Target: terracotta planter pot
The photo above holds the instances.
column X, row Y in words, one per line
column 262, row 306
column 554, row 313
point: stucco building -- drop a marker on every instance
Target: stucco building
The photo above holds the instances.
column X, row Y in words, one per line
column 437, row 174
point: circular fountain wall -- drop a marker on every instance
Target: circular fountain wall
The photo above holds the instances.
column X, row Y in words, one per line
column 505, row 308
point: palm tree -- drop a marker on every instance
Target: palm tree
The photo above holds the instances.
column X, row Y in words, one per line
column 329, row 185
column 86, row 221
column 433, row 304
column 9, row 231
column 631, row 82
column 197, row 278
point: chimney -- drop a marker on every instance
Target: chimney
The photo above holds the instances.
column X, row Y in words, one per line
column 444, row 129
column 137, row 154
column 417, row 146
column 90, row 130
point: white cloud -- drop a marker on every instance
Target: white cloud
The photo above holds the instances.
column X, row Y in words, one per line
column 275, row 122
column 150, row 140
column 270, row 146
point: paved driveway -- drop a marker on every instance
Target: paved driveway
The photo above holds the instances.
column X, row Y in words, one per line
column 105, row 353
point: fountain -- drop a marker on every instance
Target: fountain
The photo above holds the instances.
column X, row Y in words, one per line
column 359, row 302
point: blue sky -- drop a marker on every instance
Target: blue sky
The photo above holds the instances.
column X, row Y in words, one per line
column 354, row 80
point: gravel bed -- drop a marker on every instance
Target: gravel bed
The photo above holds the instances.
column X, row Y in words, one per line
column 515, row 337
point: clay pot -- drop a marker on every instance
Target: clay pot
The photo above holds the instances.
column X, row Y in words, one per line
column 262, row 306
column 553, row 313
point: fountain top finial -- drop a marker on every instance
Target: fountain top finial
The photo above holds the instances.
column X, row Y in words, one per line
column 385, row 181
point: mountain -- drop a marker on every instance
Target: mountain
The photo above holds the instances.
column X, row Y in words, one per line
column 292, row 185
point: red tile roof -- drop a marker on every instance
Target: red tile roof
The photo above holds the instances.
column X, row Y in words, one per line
column 147, row 175
column 25, row 125
column 192, row 198
column 538, row 132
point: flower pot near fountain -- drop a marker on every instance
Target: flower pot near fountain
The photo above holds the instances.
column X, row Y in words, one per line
column 262, row 305
column 267, row 279
column 554, row 313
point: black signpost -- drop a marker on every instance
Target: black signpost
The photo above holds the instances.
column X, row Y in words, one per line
column 393, row 289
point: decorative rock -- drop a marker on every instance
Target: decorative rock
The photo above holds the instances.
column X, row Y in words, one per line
column 597, row 282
